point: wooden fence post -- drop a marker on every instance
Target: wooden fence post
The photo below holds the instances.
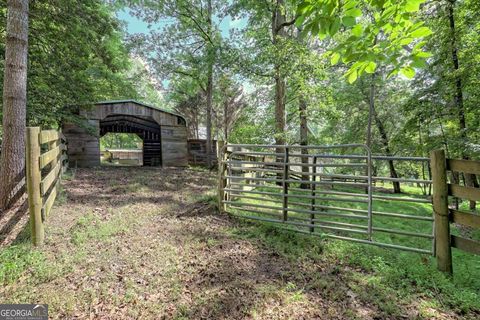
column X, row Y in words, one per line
column 33, row 184
column 443, row 249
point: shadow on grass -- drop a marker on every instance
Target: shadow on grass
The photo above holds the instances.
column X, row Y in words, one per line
column 249, row 270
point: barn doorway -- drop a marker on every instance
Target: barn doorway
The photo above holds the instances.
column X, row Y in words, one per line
column 121, row 149
column 128, row 128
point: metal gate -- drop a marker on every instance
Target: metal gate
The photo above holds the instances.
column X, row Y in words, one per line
column 327, row 191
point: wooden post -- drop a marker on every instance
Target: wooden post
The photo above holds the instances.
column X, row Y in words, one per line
column 443, row 249
column 33, row 184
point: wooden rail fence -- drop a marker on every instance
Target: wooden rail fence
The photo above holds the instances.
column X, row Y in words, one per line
column 445, row 214
column 46, row 160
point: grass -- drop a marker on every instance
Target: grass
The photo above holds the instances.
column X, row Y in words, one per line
column 400, row 277
column 409, row 275
column 143, row 243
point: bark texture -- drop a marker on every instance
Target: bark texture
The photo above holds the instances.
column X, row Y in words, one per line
column 210, row 54
column 278, row 32
column 12, row 160
column 470, row 179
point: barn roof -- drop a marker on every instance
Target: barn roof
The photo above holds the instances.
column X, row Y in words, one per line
column 140, row 104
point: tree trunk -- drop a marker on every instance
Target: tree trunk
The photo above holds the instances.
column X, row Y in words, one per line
column 304, row 140
column 225, row 119
column 209, row 87
column 12, row 160
column 278, row 18
column 371, row 108
column 470, row 179
column 385, row 143
column 278, row 31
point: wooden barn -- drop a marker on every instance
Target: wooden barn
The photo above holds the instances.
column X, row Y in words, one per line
column 164, row 134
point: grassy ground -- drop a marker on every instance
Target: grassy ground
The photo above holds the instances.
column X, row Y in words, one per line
column 148, row 243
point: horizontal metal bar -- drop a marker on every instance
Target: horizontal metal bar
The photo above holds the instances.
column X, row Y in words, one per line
column 376, row 213
column 233, row 161
column 404, row 233
column 255, row 169
column 379, row 244
column 338, row 146
column 401, row 180
column 299, row 196
column 298, row 181
column 272, row 214
column 299, row 224
column 268, row 186
column 362, row 241
column 401, row 199
column 400, row 158
column 265, row 193
column 257, row 153
column 402, row 216
column 256, row 198
column 320, row 213
column 328, row 156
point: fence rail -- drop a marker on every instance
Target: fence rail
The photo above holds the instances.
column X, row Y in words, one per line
column 321, row 190
column 445, row 214
column 46, row 160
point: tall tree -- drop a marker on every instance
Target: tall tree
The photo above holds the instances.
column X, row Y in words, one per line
column 209, row 93
column 278, row 34
column 12, row 161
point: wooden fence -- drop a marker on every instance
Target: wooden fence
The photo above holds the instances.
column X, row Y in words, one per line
column 446, row 214
column 46, row 160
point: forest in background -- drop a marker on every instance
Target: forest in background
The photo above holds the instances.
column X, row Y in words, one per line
column 280, row 74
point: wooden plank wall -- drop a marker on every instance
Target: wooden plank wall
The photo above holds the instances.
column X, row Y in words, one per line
column 85, row 150
column 174, row 146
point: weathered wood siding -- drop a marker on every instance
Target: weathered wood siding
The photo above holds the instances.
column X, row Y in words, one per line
column 174, row 146
column 171, row 149
column 101, row 111
column 83, row 147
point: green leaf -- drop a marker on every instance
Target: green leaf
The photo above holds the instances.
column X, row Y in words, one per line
column 418, row 63
column 421, row 32
column 371, row 66
column 348, row 21
column 299, row 21
column 334, row 27
column 392, row 73
column 335, row 58
column 408, row 72
column 413, row 5
column 354, row 12
column 405, row 41
column 357, row 31
column 423, row 54
column 303, row 7
column 349, row 4
column 352, row 77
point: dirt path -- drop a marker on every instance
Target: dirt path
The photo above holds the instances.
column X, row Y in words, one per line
column 146, row 243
